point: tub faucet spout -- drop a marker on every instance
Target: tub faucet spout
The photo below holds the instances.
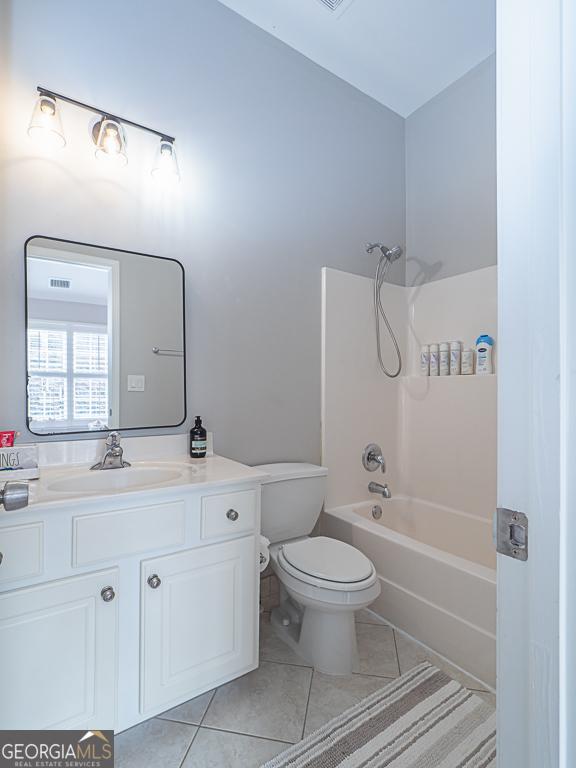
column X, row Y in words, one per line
column 382, row 489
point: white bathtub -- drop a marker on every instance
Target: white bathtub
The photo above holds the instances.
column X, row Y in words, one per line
column 437, row 571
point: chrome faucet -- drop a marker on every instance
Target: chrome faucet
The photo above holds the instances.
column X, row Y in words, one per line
column 113, row 455
column 14, row 495
column 372, row 458
column 378, row 488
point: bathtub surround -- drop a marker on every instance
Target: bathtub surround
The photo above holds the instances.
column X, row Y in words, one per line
column 438, row 434
column 355, row 392
column 432, row 548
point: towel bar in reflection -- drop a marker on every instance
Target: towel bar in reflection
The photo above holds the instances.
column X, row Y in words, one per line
column 168, row 352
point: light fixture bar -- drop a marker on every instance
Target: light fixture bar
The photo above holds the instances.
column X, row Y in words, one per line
column 47, row 92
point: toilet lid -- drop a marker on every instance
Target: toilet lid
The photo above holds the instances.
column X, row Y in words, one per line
column 328, row 559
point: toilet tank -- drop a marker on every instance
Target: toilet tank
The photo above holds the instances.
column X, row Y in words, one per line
column 292, row 499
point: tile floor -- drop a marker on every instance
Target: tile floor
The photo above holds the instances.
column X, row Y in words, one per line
column 246, row 722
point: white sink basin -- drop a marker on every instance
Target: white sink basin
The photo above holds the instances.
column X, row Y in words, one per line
column 107, row 480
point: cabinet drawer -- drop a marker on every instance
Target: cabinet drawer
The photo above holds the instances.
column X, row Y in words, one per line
column 228, row 513
column 125, row 532
column 22, row 552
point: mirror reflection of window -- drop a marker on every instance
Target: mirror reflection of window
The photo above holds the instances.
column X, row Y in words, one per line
column 70, row 340
column 105, row 346
column 68, row 375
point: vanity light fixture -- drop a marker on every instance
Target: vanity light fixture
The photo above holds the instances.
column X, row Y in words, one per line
column 166, row 164
column 107, row 133
column 45, row 123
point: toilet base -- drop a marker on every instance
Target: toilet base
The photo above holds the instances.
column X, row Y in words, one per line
column 326, row 640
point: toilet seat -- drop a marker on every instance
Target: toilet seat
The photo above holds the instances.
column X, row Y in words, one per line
column 327, row 563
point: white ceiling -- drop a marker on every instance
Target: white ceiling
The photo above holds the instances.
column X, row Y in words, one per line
column 88, row 285
column 400, row 52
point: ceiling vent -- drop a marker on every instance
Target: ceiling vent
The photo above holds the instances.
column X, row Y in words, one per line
column 336, row 5
column 59, row 282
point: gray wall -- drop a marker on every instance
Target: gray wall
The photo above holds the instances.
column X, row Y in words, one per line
column 150, row 316
column 285, row 168
column 451, row 179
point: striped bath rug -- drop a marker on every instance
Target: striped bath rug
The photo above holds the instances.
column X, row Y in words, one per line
column 424, row 719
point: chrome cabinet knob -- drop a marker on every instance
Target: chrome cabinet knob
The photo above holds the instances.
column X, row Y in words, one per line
column 107, row 594
column 154, row 581
column 232, row 515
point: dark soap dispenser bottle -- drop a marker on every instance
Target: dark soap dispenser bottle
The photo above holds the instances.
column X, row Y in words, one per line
column 198, row 441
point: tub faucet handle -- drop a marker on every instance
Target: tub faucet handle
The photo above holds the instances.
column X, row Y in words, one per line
column 372, row 458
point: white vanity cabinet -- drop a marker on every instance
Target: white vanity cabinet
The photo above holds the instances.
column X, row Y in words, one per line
column 58, row 653
column 197, row 620
column 114, row 609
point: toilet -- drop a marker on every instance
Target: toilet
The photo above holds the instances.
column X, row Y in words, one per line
column 323, row 581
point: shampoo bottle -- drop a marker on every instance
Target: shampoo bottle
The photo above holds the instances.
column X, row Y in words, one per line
column 455, row 358
column 484, row 364
column 444, row 359
column 198, row 440
column 425, row 360
column 434, row 360
column 467, row 361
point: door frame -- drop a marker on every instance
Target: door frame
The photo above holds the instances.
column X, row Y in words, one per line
column 536, row 61
column 112, row 268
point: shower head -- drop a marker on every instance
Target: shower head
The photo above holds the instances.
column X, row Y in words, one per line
column 390, row 253
column 393, row 253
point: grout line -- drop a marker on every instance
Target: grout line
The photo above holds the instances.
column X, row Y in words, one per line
column 197, row 728
column 243, row 733
column 397, row 654
column 208, row 707
column 368, row 674
column 437, row 658
column 307, row 705
column 374, row 674
column 189, row 746
column 286, row 663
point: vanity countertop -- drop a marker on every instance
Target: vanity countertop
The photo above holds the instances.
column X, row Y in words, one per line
column 60, row 485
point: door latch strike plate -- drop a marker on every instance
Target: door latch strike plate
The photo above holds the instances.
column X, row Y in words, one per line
column 512, row 533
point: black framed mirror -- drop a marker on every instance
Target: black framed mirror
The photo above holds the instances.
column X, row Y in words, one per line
column 105, row 338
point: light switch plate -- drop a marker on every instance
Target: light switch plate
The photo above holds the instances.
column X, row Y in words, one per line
column 136, row 382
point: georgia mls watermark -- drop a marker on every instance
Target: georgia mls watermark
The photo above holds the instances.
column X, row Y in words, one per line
column 56, row 749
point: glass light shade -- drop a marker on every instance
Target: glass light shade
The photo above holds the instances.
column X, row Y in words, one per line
column 110, row 141
column 166, row 164
column 46, row 124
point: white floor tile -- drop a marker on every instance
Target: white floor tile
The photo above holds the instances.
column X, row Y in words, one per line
column 152, row 744
column 269, row 702
column 272, row 648
column 220, row 749
column 191, row 711
column 376, row 650
column 367, row 617
column 330, row 696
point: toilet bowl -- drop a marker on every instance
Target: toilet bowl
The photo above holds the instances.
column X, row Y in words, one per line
column 316, row 613
column 323, row 581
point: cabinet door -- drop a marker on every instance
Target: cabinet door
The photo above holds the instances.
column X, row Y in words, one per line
column 199, row 621
column 58, row 654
